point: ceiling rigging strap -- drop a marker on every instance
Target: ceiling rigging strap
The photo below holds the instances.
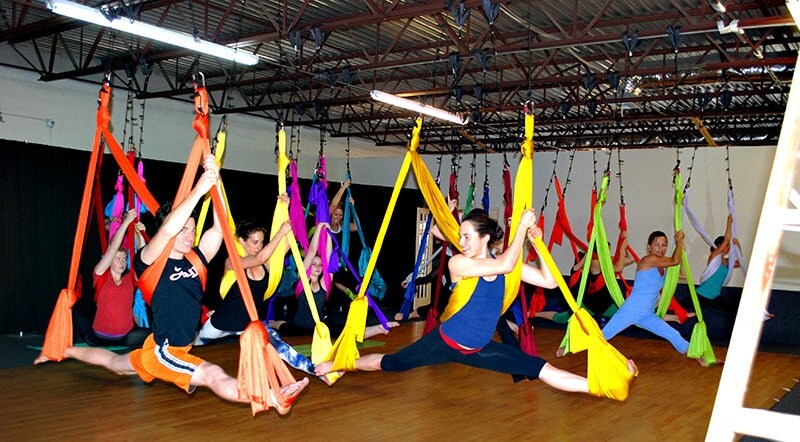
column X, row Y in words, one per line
column 549, row 184
column 485, row 199
column 569, row 174
column 471, row 188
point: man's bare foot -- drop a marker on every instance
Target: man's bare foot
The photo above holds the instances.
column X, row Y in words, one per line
column 561, row 352
column 379, row 330
column 413, row 315
column 323, row 368
column 41, row 359
column 289, row 392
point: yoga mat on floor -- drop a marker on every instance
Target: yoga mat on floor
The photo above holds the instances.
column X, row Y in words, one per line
column 83, row 344
column 305, row 349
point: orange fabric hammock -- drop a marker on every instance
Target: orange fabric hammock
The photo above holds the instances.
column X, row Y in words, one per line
column 59, row 331
column 260, row 367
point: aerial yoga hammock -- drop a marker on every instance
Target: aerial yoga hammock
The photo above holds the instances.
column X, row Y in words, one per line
column 319, row 198
column 433, row 313
column 608, row 373
column 377, row 288
column 597, row 242
column 699, row 345
column 59, row 330
column 421, row 262
column 735, row 257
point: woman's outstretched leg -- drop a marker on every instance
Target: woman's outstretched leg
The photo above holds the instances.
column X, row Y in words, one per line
column 370, row 362
column 378, row 329
column 563, row 380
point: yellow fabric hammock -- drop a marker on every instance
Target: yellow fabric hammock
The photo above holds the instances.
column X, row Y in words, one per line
column 607, row 368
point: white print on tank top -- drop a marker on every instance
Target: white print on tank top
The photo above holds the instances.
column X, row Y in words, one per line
column 178, row 273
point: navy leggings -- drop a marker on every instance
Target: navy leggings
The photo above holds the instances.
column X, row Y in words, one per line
column 432, row 350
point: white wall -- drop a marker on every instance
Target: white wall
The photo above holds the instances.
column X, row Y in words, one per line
column 26, row 104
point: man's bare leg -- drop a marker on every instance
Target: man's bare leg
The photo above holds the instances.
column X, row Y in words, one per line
column 226, row 387
column 119, row 364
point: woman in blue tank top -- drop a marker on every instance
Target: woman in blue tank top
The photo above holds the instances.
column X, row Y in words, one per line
column 639, row 308
column 466, row 337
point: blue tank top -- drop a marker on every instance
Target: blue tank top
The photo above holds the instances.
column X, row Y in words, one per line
column 646, row 287
column 711, row 287
column 473, row 326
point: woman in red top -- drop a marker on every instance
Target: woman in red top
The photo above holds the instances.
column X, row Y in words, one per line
column 114, row 323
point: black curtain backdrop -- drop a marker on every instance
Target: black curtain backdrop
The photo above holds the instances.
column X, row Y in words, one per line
column 41, row 193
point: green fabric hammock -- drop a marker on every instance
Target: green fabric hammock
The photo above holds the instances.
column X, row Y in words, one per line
column 599, row 241
column 699, row 345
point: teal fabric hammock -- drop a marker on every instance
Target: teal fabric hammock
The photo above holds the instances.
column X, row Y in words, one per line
column 377, row 286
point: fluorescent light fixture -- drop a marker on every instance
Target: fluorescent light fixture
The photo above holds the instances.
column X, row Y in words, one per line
column 794, row 9
column 124, row 24
column 717, row 6
column 416, row 106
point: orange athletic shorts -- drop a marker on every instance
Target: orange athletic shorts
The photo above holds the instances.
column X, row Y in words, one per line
column 165, row 362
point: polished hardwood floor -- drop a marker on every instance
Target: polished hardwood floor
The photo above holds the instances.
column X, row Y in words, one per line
column 671, row 400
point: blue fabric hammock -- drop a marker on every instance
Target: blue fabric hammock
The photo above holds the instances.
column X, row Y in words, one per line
column 411, row 287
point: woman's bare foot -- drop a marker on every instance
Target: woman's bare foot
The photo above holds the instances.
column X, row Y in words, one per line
column 561, row 352
column 379, row 330
column 289, row 392
column 413, row 315
column 323, row 368
column 546, row 315
column 331, row 377
column 513, row 326
column 41, row 359
column 632, row 368
column 276, row 325
column 702, row 361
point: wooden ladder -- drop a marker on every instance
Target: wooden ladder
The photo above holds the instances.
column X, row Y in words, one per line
column 729, row 416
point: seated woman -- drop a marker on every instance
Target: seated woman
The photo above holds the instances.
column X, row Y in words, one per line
column 302, row 323
column 716, row 273
column 114, row 322
column 466, row 337
column 639, row 308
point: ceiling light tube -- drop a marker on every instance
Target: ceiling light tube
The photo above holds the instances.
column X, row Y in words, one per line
column 416, row 106
column 94, row 16
column 794, row 9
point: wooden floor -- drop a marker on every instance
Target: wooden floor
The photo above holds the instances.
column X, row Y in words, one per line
column 671, row 400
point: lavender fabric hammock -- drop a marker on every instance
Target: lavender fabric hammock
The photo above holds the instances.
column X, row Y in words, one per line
column 735, row 254
column 372, row 304
column 296, row 215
